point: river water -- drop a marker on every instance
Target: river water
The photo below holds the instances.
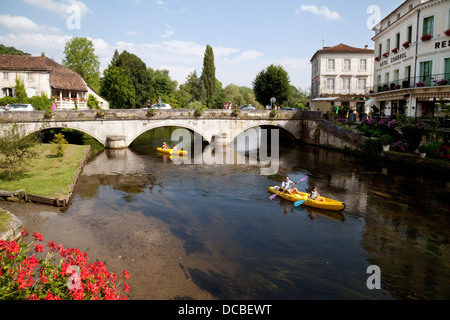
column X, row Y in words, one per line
column 211, row 232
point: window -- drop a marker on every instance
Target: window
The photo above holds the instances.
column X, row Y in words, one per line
column 410, row 33
column 330, row 84
column 346, row 85
column 396, row 76
column 362, row 84
column 388, row 45
column 379, row 80
column 363, row 64
column 7, row 92
column 386, row 77
column 447, row 69
column 397, row 40
column 347, row 64
column 30, row 77
column 5, row 75
column 426, row 70
column 380, row 50
column 428, row 25
column 407, row 73
column 330, row 64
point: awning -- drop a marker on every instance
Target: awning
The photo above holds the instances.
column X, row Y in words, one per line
column 325, row 99
column 370, row 103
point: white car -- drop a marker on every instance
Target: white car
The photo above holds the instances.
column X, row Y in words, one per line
column 20, row 107
column 162, row 106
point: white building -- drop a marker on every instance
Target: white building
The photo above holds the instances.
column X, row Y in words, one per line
column 41, row 75
column 341, row 76
column 412, row 59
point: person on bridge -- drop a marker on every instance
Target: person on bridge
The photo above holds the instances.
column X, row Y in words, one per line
column 288, row 186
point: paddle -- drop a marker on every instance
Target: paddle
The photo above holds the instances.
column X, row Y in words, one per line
column 299, row 203
column 275, row 195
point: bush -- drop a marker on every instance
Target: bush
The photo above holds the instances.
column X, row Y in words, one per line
column 413, row 135
column 402, row 146
column 386, row 140
column 23, row 276
column 438, row 150
column 92, row 102
column 372, row 147
column 7, row 100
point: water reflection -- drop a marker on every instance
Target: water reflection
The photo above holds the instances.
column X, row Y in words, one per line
column 210, row 231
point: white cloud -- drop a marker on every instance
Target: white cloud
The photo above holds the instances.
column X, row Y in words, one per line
column 60, row 7
column 159, row 2
column 22, row 24
column 169, row 32
column 324, row 11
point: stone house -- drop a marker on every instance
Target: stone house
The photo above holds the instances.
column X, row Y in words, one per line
column 42, row 75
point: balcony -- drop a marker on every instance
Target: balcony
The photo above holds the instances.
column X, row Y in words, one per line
column 435, row 80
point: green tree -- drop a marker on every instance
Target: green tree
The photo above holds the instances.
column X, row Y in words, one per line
column 60, row 144
column 140, row 77
column 209, row 76
column 272, row 82
column 17, row 149
column 21, row 93
column 117, row 88
column 80, row 57
column 300, row 98
column 10, row 50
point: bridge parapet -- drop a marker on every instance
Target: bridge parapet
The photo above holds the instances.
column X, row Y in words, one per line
column 140, row 114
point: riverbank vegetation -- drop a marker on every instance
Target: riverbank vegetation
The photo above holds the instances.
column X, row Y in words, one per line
column 402, row 135
column 4, row 220
column 48, row 175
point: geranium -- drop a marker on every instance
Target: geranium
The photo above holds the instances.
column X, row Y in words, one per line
column 24, row 276
column 402, row 146
column 406, row 44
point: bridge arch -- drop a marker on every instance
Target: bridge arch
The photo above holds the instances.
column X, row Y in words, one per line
column 157, row 126
column 290, row 132
column 50, row 125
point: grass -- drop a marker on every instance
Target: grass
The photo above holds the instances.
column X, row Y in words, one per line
column 47, row 175
column 4, row 220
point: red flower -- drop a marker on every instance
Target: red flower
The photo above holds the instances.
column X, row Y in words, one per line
column 126, row 274
column 38, row 237
column 38, row 248
column 33, row 297
column 24, row 233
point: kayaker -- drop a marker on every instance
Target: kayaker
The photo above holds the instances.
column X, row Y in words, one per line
column 175, row 148
column 288, row 186
column 165, row 146
column 314, row 195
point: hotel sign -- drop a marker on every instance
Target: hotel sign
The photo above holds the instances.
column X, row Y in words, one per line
column 398, row 57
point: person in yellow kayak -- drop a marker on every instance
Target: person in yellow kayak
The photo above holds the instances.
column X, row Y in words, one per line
column 165, row 146
column 314, row 195
column 288, row 186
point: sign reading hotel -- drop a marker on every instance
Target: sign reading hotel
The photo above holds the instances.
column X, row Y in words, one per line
column 393, row 59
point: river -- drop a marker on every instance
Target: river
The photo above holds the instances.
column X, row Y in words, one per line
column 211, row 232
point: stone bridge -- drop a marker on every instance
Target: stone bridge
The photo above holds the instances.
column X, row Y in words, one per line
column 117, row 129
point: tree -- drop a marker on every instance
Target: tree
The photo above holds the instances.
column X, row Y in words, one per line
column 117, row 88
column 272, row 82
column 10, row 50
column 80, row 57
column 21, row 93
column 16, row 149
column 300, row 99
column 59, row 145
column 140, row 77
column 209, row 76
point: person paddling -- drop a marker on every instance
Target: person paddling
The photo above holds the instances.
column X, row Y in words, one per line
column 288, row 186
column 314, row 195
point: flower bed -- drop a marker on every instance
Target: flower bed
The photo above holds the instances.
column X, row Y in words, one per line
column 24, row 276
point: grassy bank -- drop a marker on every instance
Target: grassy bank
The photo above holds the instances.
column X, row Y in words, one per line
column 47, row 175
column 4, row 219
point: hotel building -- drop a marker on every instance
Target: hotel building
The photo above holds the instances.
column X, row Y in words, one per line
column 412, row 60
column 340, row 77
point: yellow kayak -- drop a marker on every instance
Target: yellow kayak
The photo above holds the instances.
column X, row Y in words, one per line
column 328, row 204
column 170, row 151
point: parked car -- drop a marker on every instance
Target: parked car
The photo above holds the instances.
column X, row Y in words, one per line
column 20, row 107
column 249, row 107
column 293, row 109
column 162, row 106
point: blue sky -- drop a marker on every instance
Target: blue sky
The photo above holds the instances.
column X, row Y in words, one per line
column 246, row 35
